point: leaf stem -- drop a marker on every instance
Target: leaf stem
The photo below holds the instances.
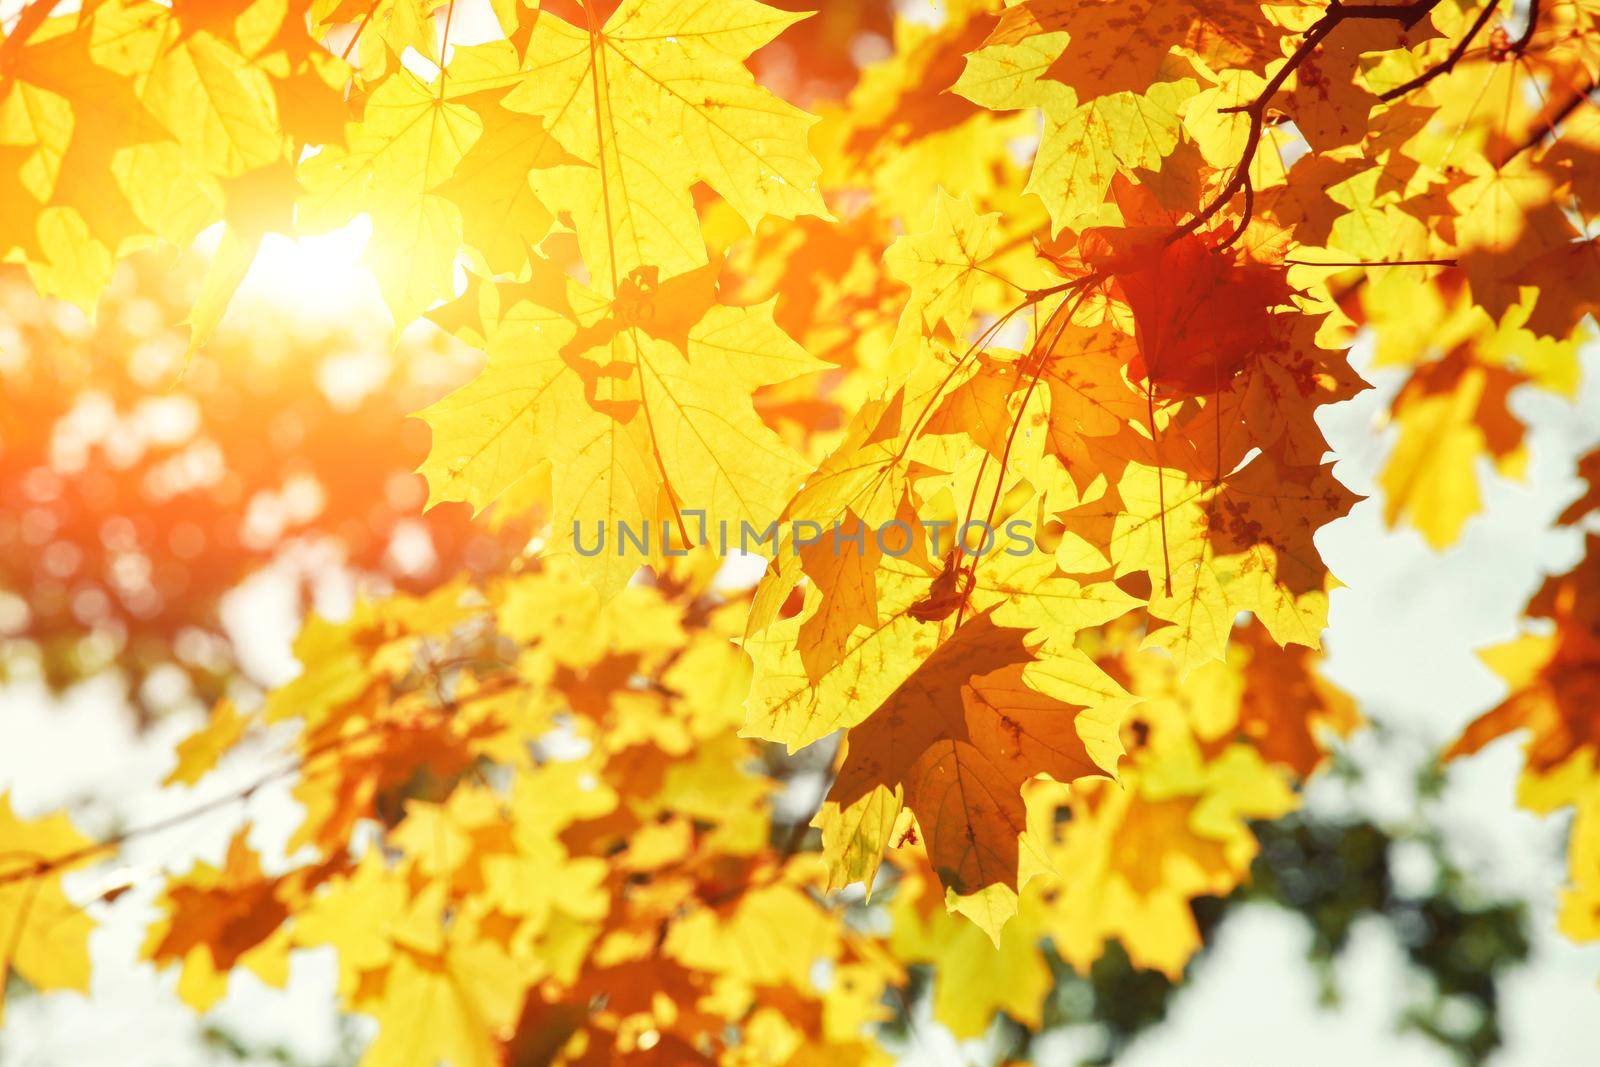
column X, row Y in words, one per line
column 1161, row 482
column 1549, row 125
column 444, row 46
column 360, row 29
column 1036, row 360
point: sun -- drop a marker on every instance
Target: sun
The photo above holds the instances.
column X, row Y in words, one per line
column 318, row 277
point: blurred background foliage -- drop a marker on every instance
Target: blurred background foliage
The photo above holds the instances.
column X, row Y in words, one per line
column 140, row 483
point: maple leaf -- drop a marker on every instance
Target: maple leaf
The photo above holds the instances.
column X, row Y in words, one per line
column 219, row 918
column 1270, row 402
column 1134, row 854
column 408, row 141
column 1449, row 414
column 221, row 106
column 1100, row 291
column 961, row 735
column 444, row 995
column 865, row 476
column 787, row 704
column 777, row 929
column 943, row 265
column 1286, row 703
column 1553, row 677
column 1562, row 276
column 46, row 936
column 654, row 100
column 1113, row 46
column 1328, row 103
column 980, row 977
column 850, row 577
column 198, row 753
column 1086, row 142
column 79, row 114
column 632, row 408
column 1198, row 315
column 1141, row 853
column 502, row 219
column 1216, row 547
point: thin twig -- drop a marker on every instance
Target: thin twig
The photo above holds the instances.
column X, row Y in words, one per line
column 1161, row 481
column 1548, row 126
column 1036, row 357
column 360, row 29
column 1244, row 216
column 1369, row 263
column 42, row 865
column 1448, row 63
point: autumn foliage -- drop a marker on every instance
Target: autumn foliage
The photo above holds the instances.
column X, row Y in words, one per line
column 1085, row 269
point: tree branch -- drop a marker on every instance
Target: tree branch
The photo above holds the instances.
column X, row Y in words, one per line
column 1405, row 14
column 1449, row 62
column 32, row 17
column 1520, row 45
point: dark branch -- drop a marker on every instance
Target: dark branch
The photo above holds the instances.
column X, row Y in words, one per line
column 1449, row 61
column 1405, row 14
column 1520, row 45
column 1245, row 215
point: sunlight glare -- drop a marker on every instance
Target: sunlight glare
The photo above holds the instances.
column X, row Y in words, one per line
column 319, row 277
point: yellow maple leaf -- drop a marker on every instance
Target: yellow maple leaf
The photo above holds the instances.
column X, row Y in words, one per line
column 974, row 977
column 653, row 101
column 198, row 753
column 1087, row 140
column 408, row 141
column 1133, row 857
column 1449, row 415
column 45, row 936
column 943, row 265
column 653, row 419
